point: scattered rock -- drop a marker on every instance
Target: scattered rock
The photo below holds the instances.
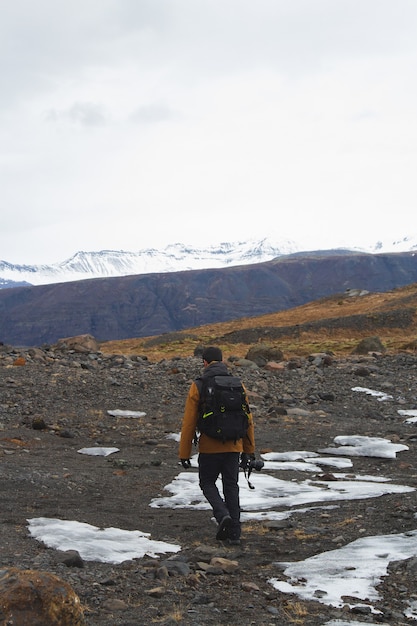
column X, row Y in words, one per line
column 295, row 408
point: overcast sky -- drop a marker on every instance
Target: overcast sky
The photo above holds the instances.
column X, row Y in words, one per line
column 127, row 124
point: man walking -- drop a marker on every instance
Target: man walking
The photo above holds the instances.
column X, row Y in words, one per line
column 216, row 457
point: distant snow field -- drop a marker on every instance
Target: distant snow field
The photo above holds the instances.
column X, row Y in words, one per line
column 175, row 257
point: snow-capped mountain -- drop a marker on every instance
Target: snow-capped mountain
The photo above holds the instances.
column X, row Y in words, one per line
column 175, row 257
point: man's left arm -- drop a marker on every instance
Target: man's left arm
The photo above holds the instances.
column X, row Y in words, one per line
column 189, row 422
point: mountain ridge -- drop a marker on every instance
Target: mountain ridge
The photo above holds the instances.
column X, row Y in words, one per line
column 175, row 257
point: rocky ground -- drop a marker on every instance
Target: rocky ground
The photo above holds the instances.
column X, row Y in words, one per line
column 52, row 403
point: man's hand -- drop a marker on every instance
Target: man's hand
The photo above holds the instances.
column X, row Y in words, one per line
column 186, row 463
column 245, row 460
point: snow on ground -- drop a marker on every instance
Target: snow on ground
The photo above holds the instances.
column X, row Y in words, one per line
column 98, row 451
column 382, row 396
column 107, row 545
column 355, row 569
column 121, row 413
column 271, row 492
column 365, row 446
column 342, row 622
column 411, row 416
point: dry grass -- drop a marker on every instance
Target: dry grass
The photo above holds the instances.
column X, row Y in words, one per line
column 347, row 522
column 301, row 535
column 340, row 342
column 176, row 615
column 295, row 612
column 257, row 528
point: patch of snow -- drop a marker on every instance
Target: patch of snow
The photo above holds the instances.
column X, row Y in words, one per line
column 272, row 492
column 354, row 570
column 412, row 416
column 98, row 451
column 371, row 392
column 107, row 545
column 121, row 413
column 358, row 445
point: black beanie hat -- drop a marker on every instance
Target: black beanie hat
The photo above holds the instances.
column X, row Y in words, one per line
column 212, row 354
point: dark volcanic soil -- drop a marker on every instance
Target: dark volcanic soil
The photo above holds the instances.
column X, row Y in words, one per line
column 57, row 403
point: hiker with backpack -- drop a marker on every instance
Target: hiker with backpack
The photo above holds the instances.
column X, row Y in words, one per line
column 217, row 408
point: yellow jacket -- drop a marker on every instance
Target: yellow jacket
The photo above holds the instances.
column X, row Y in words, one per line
column 208, row 444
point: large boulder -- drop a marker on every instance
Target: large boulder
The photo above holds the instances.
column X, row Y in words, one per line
column 79, row 343
column 369, row 344
column 37, row 598
column 262, row 353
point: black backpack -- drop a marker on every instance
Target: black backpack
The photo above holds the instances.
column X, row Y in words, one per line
column 223, row 408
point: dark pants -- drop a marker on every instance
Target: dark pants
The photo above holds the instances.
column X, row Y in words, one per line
column 226, row 465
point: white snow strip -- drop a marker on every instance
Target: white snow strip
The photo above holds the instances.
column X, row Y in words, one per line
column 108, row 545
column 175, row 436
column 298, row 466
column 371, row 392
column 411, row 414
column 121, row 413
column 358, row 445
column 294, row 455
column 281, row 515
column 411, row 610
column 307, row 465
column 98, row 451
column 272, row 492
column 343, row 622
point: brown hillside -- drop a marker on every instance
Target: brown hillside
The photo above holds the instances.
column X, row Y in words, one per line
column 334, row 324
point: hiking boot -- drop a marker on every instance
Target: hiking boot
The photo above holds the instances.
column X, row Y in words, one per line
column 224, row 527
column 233, row 541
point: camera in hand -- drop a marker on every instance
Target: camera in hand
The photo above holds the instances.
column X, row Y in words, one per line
column 255, row 464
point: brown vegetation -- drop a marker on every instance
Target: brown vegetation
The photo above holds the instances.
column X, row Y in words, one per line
column 333, row 324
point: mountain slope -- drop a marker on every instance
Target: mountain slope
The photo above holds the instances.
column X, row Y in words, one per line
column 174, row 258
column 144, row 305
column 334, row 323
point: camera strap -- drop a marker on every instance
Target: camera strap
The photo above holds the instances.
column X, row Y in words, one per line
column 247, row 476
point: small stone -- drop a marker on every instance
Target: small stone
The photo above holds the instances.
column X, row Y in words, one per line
column 248, row 586
column 224, row 564
column 156, row 592
column 38, row 423
column 162, row 573
column 72, row 558
column 114, row 604
column 19, row 361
